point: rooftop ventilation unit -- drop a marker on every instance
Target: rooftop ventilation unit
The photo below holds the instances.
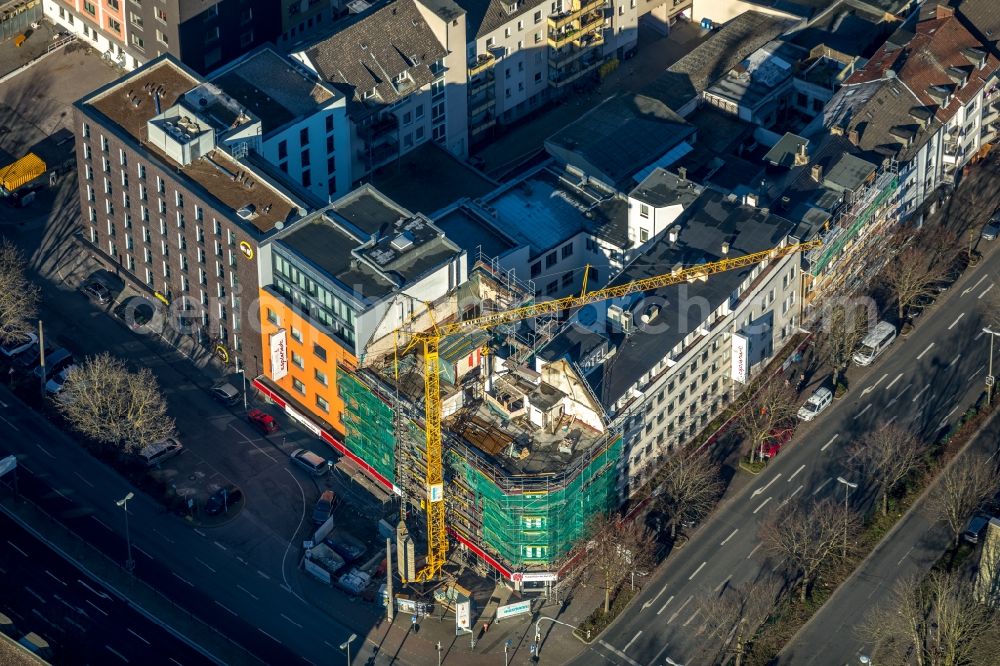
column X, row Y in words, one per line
column 402, row 242
column 357, row 6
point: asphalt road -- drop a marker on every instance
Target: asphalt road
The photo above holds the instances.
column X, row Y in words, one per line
column 925, row 381
column 82, row 621
column 832, row 637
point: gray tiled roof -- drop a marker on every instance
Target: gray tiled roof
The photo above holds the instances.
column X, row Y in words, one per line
column 484, row 16
column 738, row 38
column 369, row 52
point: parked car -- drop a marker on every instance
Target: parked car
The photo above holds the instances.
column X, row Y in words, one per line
column 263, row 421
column 775, row 440
column 976, row 528
column 12, row 349
column 223, row 498
column 919, row 304
column 153, row 454
column 309, row 461
column 346, row 545
column 991, row 230
column 324, row 507
column 55, row 363
column 97, row 292
column 55, row 385
column 26, row 359
column 817, row 402
column 226, row 393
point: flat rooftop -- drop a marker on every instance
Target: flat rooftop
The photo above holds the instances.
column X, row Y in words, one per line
column 130, row 103
column 545, row 208
column 273, row 88
column 471, row 232
column 758, row 75
column 368, row 211
column 662, row 188
column 429, row 179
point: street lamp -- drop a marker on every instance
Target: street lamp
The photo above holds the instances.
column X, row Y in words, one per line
column 989, row 374
column 848, row 487
column 506, row 646
column 129, row 562
column 865, row 659
column 538, row 632
column 346, row 645
column 439, row 652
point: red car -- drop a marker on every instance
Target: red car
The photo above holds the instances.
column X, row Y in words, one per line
column 775, row 440
column 264, row 421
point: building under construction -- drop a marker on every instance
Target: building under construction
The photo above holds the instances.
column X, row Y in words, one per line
column 527, row 458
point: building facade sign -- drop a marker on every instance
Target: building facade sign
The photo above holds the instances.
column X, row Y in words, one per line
column 740, row 348
column 279, row 355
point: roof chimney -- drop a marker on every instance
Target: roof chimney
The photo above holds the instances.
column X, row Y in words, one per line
column 725, row 247
column 801, row 155
column 943, row 11
column 817, row 172
column 682, row 173
column 853, row 137
column 673, row 234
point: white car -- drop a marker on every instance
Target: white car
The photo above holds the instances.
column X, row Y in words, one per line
column 55, row 385
column 16, row 347
column 817, row 402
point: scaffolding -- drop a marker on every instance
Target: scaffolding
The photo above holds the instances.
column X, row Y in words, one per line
column 369, row 424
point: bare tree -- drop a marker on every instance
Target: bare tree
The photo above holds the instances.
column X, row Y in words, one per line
column 933, row 622
column 962, row 489
column 689, row 487
column 759, row 414
column 732, row 617
column 886, row 456
column 925, row 259
column 616, row 549
column 105, row 401
column 808, row 538
column 844, row 322
column 18, row 296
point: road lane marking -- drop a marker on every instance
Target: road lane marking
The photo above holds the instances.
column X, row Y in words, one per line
column 891, row 402
column 656, row 659
column 678, row 611
column 862, row 412
column 905, row 389
column 873, row 386
column 693, row 616
column 263, row 575
column 84, row 479
column 820, row 487
column 197, row 531
column 823, row 448
column 10, row 424
column 14, row 546
column 40, row 598
column 629, row 644
column 700, row 567
column 116, row 653
column 60, row 493
column 794, row 493
column 753, row 551
column 927, row 349
column 985, row 291
column 255, row 597
column 165, row 537
column 723, row 583
column 979, row 335
column 905, row 556
column 922, row 391
column 664, row 606
column 892, row 419
column 44, row 450
column 760, row 490
column 731, row 535
column 801, row 467
column 102, row 595
column 762, row 505
column 224, row 608
column 95, row 606
column 142, row 551
column 4, row 403
column 299, row 625
column 202, row 563
column 944, row 421
column 954, row 360
column 269, row 635
column 252, row 443
column 618, row 652
column 955, row 323
column 137, row 636
column 973, row 287
column 53, row 577
column 183, row 579
column 653, row 600
column 219, row 545
column 893, row 382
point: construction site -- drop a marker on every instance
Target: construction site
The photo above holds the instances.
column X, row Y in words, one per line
column 526, row 457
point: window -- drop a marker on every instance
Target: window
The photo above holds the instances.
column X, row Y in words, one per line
column 319, row 352
column 297, row 361
column 296, row 334
column 306, row 178
column 643, row 210
column 89, row 8
column 407, row 118
column 304, row 159
column 419, row 111
column 643, row 235
column 552, row 287
column 304, row 136
column 536, row 269
column 161, row 37
column 322, row 404
column 114, row 25
column 567, row 250
column 321, row 377
column 567, row 279
column 282, row 149
column 538, row 17
column 298, row 386
column 329, row 124
column 551, row 259
column 419, row 135
column 271, row 317
column 160, row 15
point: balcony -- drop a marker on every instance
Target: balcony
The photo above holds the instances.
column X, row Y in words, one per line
column 559, row 58
column 588, row 24
column 483, row 62
column 380, row 127
column 569, row 74
column 581, row 8
column 483, row 83
column 375, row 156
column 478, row 106
column 483, row 126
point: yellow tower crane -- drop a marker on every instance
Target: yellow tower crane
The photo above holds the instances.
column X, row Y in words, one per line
column 437, row 532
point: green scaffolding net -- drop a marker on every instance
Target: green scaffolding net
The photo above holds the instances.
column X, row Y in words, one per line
column 368, row 425
column 536, row 522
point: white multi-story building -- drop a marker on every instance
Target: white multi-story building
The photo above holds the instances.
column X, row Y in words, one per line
column 304, row 129
column 402, row 67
